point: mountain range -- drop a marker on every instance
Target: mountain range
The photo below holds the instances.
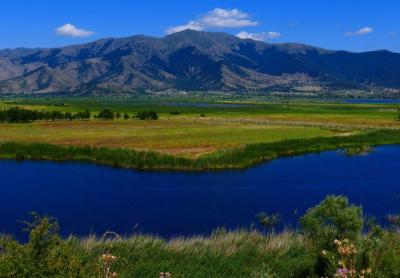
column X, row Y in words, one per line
column 191, row 60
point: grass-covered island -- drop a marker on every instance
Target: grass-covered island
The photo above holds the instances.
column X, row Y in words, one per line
column 334, row 239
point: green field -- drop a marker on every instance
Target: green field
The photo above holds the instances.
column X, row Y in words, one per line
column 202, row 127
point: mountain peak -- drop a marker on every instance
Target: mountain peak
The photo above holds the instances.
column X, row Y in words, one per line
column 191, row 60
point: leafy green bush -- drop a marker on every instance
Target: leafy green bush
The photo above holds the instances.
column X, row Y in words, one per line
column 44, row 255
column 333, row 219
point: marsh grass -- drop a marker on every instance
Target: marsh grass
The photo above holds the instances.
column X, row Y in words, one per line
column 223, row 254
column 235, row 254
column 241, row 253
column 236, row 158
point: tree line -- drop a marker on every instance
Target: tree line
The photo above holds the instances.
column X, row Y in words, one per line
column 22, row 115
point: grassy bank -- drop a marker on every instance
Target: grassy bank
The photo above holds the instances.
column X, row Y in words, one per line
column 364, row 249
column 236, row 158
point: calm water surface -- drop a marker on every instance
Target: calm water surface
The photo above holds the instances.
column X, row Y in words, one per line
column 86, row 198
column 373, row 101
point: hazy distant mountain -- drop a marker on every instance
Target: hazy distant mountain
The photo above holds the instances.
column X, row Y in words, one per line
column 190, row 60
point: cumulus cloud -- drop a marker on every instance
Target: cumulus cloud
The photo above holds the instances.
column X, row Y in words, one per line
column 217, row 18
column 72, row 31
column 227, row 18
column 360, row 32
column 263, row 36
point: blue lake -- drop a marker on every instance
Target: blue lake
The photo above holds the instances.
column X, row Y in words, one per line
column 86, row 198
column 206, row 104
column 372, row 101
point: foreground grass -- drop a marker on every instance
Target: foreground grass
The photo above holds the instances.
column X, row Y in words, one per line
column 314, row 251
column 234, row 254
column 227, row 159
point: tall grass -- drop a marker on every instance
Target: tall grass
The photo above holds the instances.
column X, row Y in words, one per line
column 315, row 250
column 235, row 254
column 226, row 159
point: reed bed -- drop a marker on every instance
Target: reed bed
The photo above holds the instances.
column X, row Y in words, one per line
column 236, row 158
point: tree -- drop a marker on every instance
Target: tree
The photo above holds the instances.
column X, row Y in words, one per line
column 126, row 116
column 333, row 219
column 106, row 114
column 69, row 116
column 153, row 115
column 85, row 115
column 147, row 115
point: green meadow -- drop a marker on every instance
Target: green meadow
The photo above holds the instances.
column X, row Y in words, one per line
column 196, row 130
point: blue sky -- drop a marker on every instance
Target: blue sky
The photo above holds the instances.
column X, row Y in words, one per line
column 355, row 25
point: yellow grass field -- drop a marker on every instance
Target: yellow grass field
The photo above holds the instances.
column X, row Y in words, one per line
column 189, row 137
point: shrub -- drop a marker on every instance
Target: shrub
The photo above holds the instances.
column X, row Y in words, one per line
column 333, row 219
column 268, row 221
column 46, row 254
column 106, row 114
column 147, row 115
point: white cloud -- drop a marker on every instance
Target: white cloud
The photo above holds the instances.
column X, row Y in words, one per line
column 192, row 25
column 217, row 18
column 263, row 36
column 71, row 31
column 360, row 32
column 227, row 18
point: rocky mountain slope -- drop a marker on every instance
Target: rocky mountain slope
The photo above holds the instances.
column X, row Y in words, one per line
column 190, row 60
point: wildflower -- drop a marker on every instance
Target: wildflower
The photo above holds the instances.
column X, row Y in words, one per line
column 165, row 275
column 108, row 258
column 342, row 272
column 107, row 261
